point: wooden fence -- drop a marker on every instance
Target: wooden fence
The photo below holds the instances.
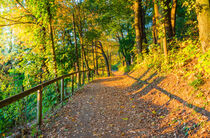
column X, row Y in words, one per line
column 39, row 90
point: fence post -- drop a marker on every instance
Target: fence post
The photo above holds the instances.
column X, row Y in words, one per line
column 72, row 84
column 83, row 78
column 102, row 71
column 97, row 73
column 92, row 73
column 88, row 76
column 79, row 81
column 62, row 90
column 39, row 107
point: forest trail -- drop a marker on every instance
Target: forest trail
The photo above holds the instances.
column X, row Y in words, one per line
column 113, row 107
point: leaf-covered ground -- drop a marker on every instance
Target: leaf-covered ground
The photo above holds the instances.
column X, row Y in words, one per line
column 139, row 104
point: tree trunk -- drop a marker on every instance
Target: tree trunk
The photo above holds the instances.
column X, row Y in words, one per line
column 44, row 67
column 128, row 63
column 204, row 23
column 143, row 22
column 173, row 17
column 76, row 51
column 53, row 45
column 85, row 57
column 83, row 49
column 165, row 43
column 165, row 26
column 167, row 17
column 105, row 58
column 110, row 61
column 80, row 24
column 96, row 58
column 154, row 31
column 107, row 54
column 93, row 54
column 156, row 21
column 138, row 27
column 52, row 41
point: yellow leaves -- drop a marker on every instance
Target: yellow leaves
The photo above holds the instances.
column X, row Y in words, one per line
column 36, row 50
column 162, row 116
column 133, row 106
column 72, row 119
column 125, row 119
column 122, row 106
column 154, row 112
column 111, row 125
column 131, row 99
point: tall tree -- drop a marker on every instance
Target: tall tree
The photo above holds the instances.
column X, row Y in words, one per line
column 166, row 25
column 97, row 57
column 52, row 40
column 76, row 49
column 143, row 23
column 105, row 58
column 166, row 13
column 138, row 25
column 173, row 16
column 80, row 23
column 156, row 22
column 203, row 14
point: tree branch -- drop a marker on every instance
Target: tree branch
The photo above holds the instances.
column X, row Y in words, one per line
column 16, row 21
column 30, row 14
column 16, row 24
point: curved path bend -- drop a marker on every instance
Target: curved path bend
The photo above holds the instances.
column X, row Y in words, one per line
column 109, row 107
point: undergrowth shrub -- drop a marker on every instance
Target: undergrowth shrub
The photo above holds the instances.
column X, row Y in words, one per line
column 125, row 68
column 196, row 83
column 115, row 66
column 180, row 57
column 204, row 62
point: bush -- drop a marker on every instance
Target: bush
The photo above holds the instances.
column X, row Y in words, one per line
column 115, row 66
column 196, row 83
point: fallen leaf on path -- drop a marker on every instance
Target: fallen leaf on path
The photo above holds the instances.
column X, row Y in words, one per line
column 131, row 99
column 125, row 119
column 162, row 116
column 122, row 106
column 72, row 119
column 154, row 112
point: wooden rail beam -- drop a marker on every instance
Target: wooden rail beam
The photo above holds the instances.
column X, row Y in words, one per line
column 39, row 90
column 21, row 95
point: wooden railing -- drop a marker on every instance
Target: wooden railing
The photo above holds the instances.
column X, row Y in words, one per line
column 39, row 90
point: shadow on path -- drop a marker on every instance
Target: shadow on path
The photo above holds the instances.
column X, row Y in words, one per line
column 108, row 79
column 106, row 110
column 154, row 85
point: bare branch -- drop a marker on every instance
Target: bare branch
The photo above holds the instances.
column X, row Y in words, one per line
column 16, row 24
column 16, row 21
column 30, row 14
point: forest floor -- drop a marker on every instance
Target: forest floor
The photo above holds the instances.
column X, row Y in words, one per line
column 139, row 104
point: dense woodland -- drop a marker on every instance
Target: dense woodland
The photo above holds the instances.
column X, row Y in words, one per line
column 44, row 39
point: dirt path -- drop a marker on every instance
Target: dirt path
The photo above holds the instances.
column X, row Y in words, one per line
column 106, row 108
